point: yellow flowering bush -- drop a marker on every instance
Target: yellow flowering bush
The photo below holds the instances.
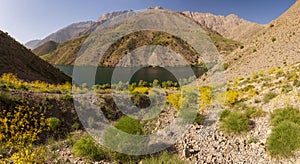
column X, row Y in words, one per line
column 20, row 127
column 143, row 90
column 12, row 81
column 174, row 100
column 231, row 97
column 205, row 98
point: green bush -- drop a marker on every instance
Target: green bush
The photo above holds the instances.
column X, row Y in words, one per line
column 269, row 96
column 224, row 114
column 296, row 83
column 87, row 147
column 163, row 158
column 115, row 138
column 129, row 125
column 285, row 136
column 235, row 122
column 284, row 139
column 287, row 88
column 286, row 114
column 53, row 123
column 199, row 119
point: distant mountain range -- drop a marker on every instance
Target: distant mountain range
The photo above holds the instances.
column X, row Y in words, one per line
column 245, row 46
column 231, row 27
column 65, row 52
column 15, row 58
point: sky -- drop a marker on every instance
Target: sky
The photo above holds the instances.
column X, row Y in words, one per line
column 35, row 19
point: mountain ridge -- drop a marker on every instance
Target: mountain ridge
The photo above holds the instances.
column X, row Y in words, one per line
column 106, row 16
column 15, row 58
column 230, row 26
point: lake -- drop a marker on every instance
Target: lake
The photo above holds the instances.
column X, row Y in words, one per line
column 104, row 75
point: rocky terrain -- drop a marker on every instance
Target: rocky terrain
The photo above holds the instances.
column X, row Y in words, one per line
column 230, row 26
column 64, row 34
column 276, row 45
column 74, row 30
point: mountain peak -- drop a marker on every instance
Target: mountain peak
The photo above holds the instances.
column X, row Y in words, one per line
column 107, row 16
column 156, row 7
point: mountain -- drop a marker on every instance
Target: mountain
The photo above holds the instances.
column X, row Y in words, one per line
column 74, row 30
column 106, row 16
column 15, row 58
column 66, row 52
column 32, row 44
column 64, row 34
column 45, row 48
column 277, row 45
column 231, row 26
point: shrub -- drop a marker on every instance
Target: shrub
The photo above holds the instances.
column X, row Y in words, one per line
column 20, row 127
column 231, row 97
column 235, row 122
column 224, row 114
column 163, row 158
column 115, row 138
column 296, row 83
column 173, row 99
column 53, row 123
column 273, row 39
column 289, row 113
column 205, row 97
column 87, row 147
column 269, row 96
column 199, row 119
column 129, row 125
column 284, row 139
column 287, row 88
column 8, row 98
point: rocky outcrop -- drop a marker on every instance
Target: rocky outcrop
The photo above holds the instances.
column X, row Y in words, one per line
column 231, row 26
column 106, row 16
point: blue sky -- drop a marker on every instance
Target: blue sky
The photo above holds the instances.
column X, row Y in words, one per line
column 33, row 19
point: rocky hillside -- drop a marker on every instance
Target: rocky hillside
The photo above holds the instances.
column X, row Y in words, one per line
column 33, row 44
column 74, row 30
column 66, row 52
column 15, row 58
column 64, row 34
column 106, row 16
column 231, row 26
column 45, row 48
column 276, row 45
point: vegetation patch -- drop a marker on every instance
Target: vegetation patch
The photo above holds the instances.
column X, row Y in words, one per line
column 234, row 122
column 285, row 136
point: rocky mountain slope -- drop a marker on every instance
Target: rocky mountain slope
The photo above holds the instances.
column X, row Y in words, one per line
column 231, row 26
column 74, row 30
column 64, row 34
column 15, row 58
column 66, row 52
column 276, row 45
column 33, row 44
